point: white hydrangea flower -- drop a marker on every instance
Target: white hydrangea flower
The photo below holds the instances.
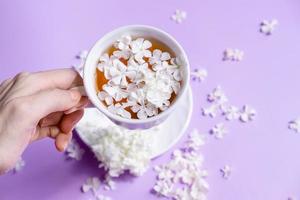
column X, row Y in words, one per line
column 102, row 197
column 139, row 48
column 195, row 140
column 295, row 125
column 226, row 171
column 179, row 16
column 118, row 109
column 219, row 130
column 247, row 114
column 211, row 110
column 158, row 92
column 104, row 96
column 118, row 72
column 232, row 112
column 20, row 164
column 217, row 95
column 124, row 42
column 144, row 110
column 158, row 57
column 267, row 26
column 91, row 184
column 115, row 92
column 82, row 57
column 163, row 188
column 109, row 183
column 199, row 74
column 233, row 54
column 104, row 64
column 74, row 151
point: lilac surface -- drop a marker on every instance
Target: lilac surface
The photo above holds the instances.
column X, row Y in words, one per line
column 39, row 35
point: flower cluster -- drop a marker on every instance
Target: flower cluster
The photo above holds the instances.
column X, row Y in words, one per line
column 121, row 150
column 145, row 79
column 219, row 105
column 183, row 177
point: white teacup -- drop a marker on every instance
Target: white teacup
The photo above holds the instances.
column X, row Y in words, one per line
column 89, row 72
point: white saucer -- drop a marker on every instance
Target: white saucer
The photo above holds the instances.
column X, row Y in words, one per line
column 163, row 137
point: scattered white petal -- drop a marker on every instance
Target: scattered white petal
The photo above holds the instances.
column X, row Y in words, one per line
column 211, row 110
column 219, row 130
column 233, row 54
column 231, row 112
column 217, row 95
column 226, row 171
column 179, row 16
column 199, row 74
column 268, row 26
column 19, row 165
column 102, row 197
column 82, row 57
column 295, row 125
column 74, row 150
column 247, row 114
column 91, row 184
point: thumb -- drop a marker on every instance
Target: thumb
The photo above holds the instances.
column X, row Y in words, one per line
column 49, row 101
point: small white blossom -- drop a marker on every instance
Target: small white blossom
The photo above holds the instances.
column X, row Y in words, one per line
column 158, row 56
column 74, row 151
column 124, row 42
column 118, row 109
column 104, row 96
column 247, row 114
column 91, row 184
column 115, row 92
column 219, row 130
column 233, row 54
column 267, row 26
column 102, row 197
column 211, row 110
column 82, row 57
column 232, row 112
column 109, row 183
column 199, row 74
column 295, row 125
column 179, row 16
column 139, row 48
column 19, row 165
column 144, row 110
column 217, row 95
column 195, row 140
column 226, row 171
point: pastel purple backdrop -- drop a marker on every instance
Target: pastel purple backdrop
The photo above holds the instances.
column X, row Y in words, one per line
column 264, row 154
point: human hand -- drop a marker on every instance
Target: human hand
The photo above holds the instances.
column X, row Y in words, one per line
column 35, row 106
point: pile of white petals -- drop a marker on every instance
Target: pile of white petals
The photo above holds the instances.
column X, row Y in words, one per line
column 120, row 150
column 147, row 80
column 183, row 177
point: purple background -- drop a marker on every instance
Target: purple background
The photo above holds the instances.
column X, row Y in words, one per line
column 39, row 35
